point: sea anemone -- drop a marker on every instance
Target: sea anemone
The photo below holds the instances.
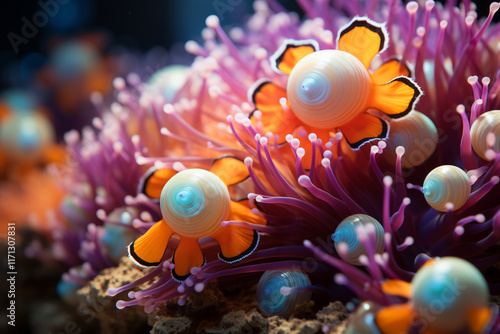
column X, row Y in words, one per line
column 306, row 185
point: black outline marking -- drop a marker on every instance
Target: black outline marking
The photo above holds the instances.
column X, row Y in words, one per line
column 365, row 22
column 405, row 65
column 141, row 189
column 277, row 56
column 133, row 255
column 245, row 253
column 416, row 95
column 257, row 89
column 355, row 146
column 178, row 278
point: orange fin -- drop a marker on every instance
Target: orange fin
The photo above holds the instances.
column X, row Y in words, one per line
column 290, row 52
column 230, row 169
column 266, row 97
column 364, row 128
column 389, row 70
column 186, row 256
column 363, row 38
column 397, row 287
column 395, row 319
column 478, row 318
column 395, row 98
column 152, row 182
column 237, row 242
column 240, row 211
column 148, row 250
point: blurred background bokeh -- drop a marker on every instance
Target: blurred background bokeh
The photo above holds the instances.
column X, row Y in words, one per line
column 57, row 59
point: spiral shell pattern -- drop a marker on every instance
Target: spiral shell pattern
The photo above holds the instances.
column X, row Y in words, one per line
column 346, row 233
column 194, row 202
column 328, row 88
column 417, row 134
column 484, row 124
column 454, row 287
column 272, row 302
column 446, row 184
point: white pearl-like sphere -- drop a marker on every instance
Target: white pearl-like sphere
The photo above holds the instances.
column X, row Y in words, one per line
column 444, row 291
column 194, row 202
column 417, row 134
column 346, row 233
column 489, row 122
column 446, row 184
column 327, row 89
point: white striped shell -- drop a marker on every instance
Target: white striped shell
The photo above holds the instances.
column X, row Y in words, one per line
column 484, row 124
column 446, row 184
column 272, row 301
column 346, row 233
column 328, row 88
column 194, row 202
column 452, row 286
column 417, row 134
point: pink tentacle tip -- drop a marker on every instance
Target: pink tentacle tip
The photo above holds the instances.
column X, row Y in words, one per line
column 199, row 287
column 212, row 21
column 304, row 180
column 248, row 162
column 341, row 279
column 387, row 181
column 301, row 152
column 113, row 292
column 131, row 294
column 459, row 230
column 120, row 304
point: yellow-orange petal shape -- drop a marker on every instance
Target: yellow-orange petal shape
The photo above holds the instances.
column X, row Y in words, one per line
column 396, row 98
column 290, row 52
column 266, row 97
column 397, row 287
column 395, row 319
column 230, row 170
column 194, row 202
column 389, row 70
column 151, row 184
column 417, row 134
column 364, row 128
column 238, row 242
column 489, row 122
column 328, row 89
column 186, row 256
column 363, row 38
column 477, row 319
column 148, row 250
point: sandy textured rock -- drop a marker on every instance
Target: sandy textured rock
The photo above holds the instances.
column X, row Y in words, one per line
column 218, row 309
column 331, row 318
column 95, row 302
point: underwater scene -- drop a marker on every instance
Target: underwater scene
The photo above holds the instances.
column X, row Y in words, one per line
column 267, row 166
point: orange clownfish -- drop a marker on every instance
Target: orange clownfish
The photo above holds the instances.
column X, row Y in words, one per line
column 446, row 295
column 193, row 203
column 333, row 90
